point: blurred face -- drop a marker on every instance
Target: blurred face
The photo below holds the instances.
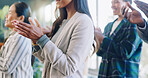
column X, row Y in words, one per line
column 62, row 3
column 12, row 15
column 117, row 5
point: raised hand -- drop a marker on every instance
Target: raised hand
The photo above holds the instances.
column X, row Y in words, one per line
column 47, row 30
column 142, row 6
column 30, row 31
column 134, row 16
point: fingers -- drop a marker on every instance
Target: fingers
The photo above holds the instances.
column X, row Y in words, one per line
column 123, row 10
column 21, row 33
column 31, row 22
column 129, row 5
column 22, row 30
column 15, row 22
column 129, row 16
column 126, row 12
column 98, row 29
column 24, row 27
column 48, row 27
column 36, row 21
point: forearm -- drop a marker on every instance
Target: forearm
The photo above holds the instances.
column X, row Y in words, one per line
column 143, row 32
column 37, row 50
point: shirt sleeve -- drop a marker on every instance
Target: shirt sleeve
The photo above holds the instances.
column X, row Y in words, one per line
column 142, row 28
column 37, row 49
column 43, row 40
column 143, row 32
column 78, row 49
column 14, row 51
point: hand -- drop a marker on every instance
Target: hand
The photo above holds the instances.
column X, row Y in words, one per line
column 30, row 31
column 142, row 6
column 47, row 30
column 134, row 16
column 98, row 36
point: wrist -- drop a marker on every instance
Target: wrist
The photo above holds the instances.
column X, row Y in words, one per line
column 142, row 24
column 42, row 41
column 40, row 36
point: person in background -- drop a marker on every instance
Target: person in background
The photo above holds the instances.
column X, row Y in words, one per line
column 120, row 46
column 136, row 18
column 65, row 51
column 15, row 54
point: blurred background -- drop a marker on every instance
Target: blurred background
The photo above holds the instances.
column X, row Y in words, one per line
column 44, row 11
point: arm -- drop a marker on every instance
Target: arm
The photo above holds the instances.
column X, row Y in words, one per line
column 143, row 32
column 37, row 51
column 17, row 49
column 136, row 18
column 123, row 49
column 77, row 52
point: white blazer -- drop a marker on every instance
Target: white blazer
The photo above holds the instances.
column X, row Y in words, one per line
column 66, row 58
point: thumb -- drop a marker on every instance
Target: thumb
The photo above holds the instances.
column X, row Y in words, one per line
column 129, row 5
column 31, row 22
column 36, row 21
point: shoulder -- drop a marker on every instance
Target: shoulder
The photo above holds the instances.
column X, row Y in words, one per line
column 83, row 18
column 19, row 38
column 108, row 25
column 83, row 22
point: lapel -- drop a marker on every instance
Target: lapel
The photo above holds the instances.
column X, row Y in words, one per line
column 115, row 32
column 66, row 27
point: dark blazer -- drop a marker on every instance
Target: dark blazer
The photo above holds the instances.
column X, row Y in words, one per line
column 143, row 33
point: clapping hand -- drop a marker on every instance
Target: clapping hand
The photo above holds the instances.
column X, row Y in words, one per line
column 98, row 37
column 30, row 31
column 47, row 30
column 134, row 16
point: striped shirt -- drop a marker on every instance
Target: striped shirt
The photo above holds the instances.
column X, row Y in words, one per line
column 15, row 57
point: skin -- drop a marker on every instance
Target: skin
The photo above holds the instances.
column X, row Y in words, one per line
column 134, row 16
column 117, row 6
column 35, row 32
column 12, row 15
